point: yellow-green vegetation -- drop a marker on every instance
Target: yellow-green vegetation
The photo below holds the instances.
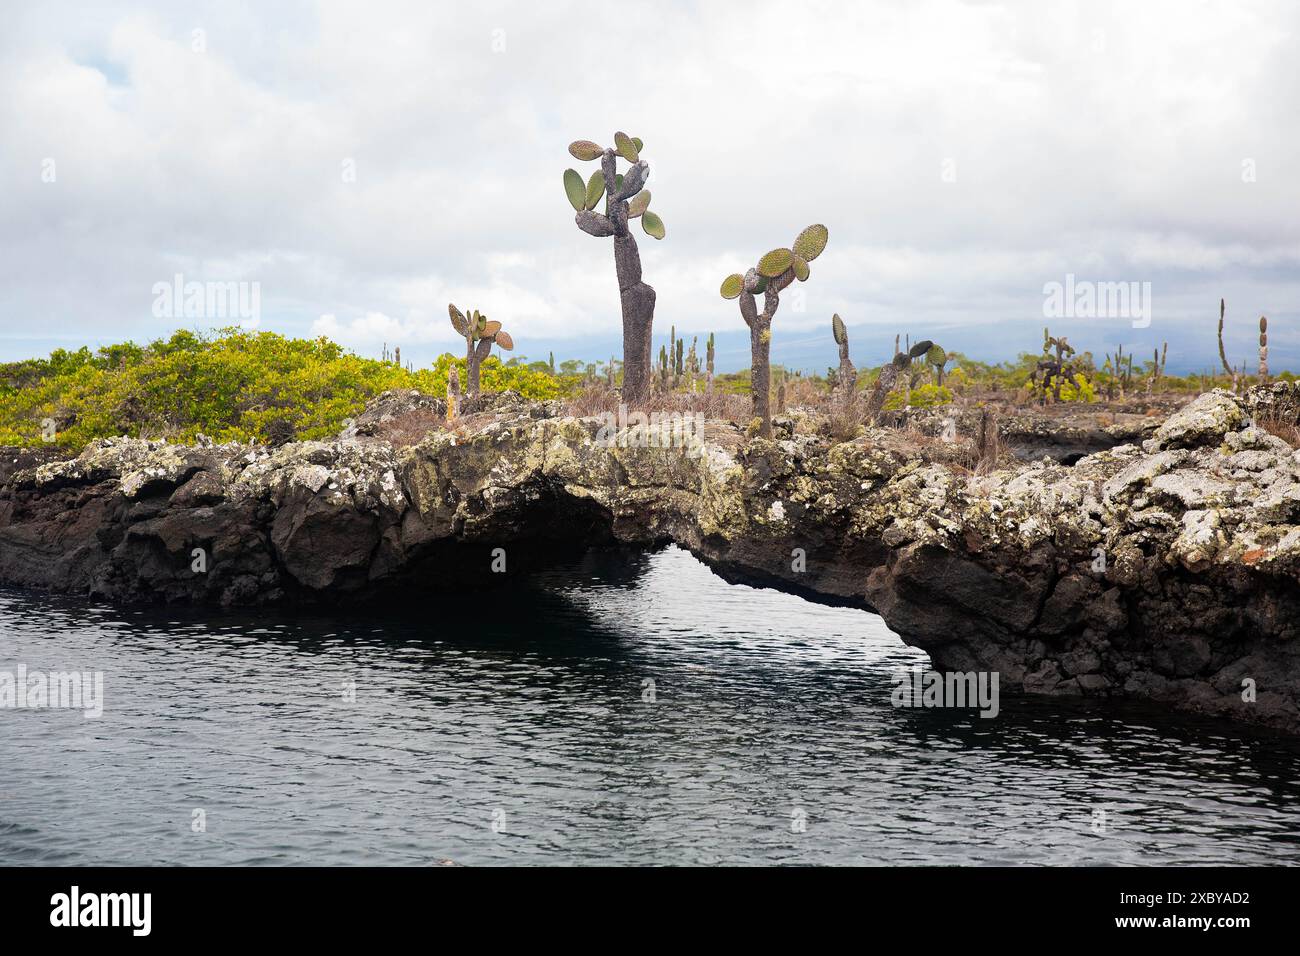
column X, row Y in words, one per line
column 1077, row 389
column 923, row 396
column 231, row 385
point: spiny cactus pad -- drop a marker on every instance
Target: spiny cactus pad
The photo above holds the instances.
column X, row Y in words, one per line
column 775, row 262
column 936, row 356
column 458, row 320
column 575, row 189
column 504, row 340
column 732, row 285
column 626, row 147
column 595, row 189
column 811, row 242
column 489, row 329
column 639, row 204
column 920, row 348
column 801, row 270
column 636, row 141
column 652, row 224
column 585, row 150
column 837, row 328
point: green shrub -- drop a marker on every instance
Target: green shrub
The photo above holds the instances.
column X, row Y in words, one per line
column 232, row 386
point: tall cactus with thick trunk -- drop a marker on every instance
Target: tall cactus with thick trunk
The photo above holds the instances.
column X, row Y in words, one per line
column 625, row 199
column 479, row 335
column 776, row 270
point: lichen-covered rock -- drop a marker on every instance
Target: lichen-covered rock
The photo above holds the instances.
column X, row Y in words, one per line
column 1168, row 570
column 1204, row 421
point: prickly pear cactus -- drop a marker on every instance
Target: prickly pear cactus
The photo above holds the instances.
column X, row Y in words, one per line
column 774, row 271
column 625, row 199
column 480, row 334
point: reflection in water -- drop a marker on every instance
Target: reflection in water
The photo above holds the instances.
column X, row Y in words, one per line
column 522, row 727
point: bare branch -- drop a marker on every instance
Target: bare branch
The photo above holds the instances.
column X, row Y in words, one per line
column 633, row 180
column 594, row 224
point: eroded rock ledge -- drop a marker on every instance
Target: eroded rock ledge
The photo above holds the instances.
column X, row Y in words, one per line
column 1166, row 570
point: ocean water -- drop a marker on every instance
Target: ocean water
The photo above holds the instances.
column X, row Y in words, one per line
column 614, row 710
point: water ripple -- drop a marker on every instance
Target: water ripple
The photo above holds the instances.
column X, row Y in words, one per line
column 524, row 729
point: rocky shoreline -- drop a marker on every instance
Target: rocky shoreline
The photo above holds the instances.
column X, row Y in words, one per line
column 1163, row 567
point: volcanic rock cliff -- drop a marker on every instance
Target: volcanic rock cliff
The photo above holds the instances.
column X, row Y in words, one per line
column 1165, row 569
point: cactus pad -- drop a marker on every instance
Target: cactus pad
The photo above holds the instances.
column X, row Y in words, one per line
column 775, row 262
column 489, row 329
column 626, row 147
column 504, row 340
column 585, row 150
column 801, row 270
column 811, row 242
column 595, row 189
column 458, row 320
column 575, row 189
column 732, row 286
column 652, row 224
column 639, row 204
column 837, row 328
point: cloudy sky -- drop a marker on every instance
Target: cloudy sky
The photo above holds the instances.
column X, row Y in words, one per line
column 366, row 163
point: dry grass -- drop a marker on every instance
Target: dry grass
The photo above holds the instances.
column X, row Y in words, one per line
column 1282, row 427
column 718, row 406
column 410, row 428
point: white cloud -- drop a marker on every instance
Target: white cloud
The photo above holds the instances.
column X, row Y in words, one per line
column 1096, row 139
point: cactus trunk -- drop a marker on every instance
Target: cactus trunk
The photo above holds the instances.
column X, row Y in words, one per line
column 846, row 380
column 475, row 353
column 760, row 347
column 638, row 301
column 884, row 385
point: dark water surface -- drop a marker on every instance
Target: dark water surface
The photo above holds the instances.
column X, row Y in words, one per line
column 514, row 728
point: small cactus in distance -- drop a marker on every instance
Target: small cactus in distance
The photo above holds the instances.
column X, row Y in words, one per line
column 775, row 270
column 937, row 358
column 480, row 334
column 1053, row 370
column 1263, row 350
column 1223, row 355
column 846, row 378
column 889, row 373
column 708, row 387
column 625, row 200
